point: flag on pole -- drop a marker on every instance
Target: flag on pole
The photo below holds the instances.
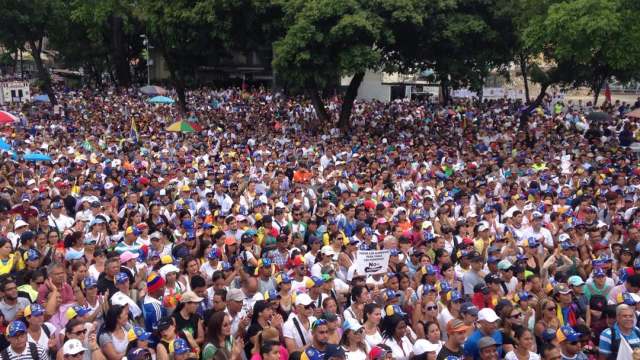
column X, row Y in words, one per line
column 133, row 134
column 624, row 351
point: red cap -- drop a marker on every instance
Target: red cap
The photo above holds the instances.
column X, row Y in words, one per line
column 297, row 261
column 144, row 181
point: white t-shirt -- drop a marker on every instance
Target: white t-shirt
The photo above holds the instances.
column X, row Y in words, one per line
column 355, row 355
column 289, row 330
column 43, row 341
column 372, row 340
column 512, row 356
column 400, row 351
column 443, row 319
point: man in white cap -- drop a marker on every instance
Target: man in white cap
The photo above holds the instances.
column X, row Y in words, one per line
column 72, row 349
column 296, row 330
column 487, row 326
column 235, row 299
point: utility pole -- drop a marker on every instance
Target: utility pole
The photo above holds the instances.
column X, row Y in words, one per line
column 146, row 43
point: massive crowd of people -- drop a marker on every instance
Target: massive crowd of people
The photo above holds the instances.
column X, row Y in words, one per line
column 240, row 240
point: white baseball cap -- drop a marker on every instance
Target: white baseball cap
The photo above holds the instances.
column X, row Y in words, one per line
column 73, row 347
column 487, row 315
column 303, row 299
column 422, row 346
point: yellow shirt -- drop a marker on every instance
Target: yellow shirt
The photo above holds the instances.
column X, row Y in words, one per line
column 7, row 266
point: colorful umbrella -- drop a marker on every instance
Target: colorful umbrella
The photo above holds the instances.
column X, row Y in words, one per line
column 7, row 118
column 195, row 126
column 37, row 157
column 152, row 90
column 161, row 100
column 181, row 126
column 4, row 145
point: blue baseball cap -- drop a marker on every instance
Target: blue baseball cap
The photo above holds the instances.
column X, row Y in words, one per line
column 15, row 328
column 214, row 254
column 31, row 255
column 141, row 333
column 598, row 272
column 122, row 278
column 391, row 294
column 427, row 288
column 180, row 346
column 567, row 333
column 89, row 282
column 34, row 309
column 187, row 224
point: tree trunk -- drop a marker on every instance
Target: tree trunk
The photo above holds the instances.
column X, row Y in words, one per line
column 524, row 118
column 182, row 98
column 118, row 46
column 525, row 79
column 347, row 101
column 540, row 97
column 596, row 87
column 318, row 104
column 43, row 74
column 444, row 89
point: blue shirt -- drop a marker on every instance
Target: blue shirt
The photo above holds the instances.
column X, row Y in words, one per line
column 471, row 345
column 605, row 339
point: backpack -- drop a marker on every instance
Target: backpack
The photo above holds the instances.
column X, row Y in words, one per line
column 33, row 350
column 615, row 342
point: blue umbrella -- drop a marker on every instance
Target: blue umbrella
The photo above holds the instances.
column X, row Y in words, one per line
column 37, row 157
column 4, row 145
column 41, row 98
column 161, row 100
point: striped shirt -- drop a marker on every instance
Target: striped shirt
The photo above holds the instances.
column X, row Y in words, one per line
column 152, row 311
column 26, row 353
column 605, row 339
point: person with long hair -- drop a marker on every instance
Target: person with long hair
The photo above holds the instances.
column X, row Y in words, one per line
column 190, row 268
column 546, row 317
column 76, row 329
column 113, row 338
column 524, row 346
column 262, row 317
column 427, row 312
column 352, row 340
column 268, row 335
column 432, row 334
column 394, row 335
column 453, row 302
column 218, row 342
column 9, row 261
column 448, row 274
column 187, row 318
column 372, row 318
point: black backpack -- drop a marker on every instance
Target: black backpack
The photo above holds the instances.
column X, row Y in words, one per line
column 33, row 349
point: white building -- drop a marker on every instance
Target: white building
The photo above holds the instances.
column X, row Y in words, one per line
column 14, row 91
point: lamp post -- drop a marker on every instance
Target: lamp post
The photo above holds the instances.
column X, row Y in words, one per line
column 146, row 43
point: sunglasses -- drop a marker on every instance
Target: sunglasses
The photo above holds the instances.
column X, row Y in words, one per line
column 432, row 308
column 310, row 306
column 80, row 333
column 551, row 309
column 516, row 316
column 574, row 342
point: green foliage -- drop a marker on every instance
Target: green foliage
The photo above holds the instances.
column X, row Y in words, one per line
column 585, row 42
column 325, row 39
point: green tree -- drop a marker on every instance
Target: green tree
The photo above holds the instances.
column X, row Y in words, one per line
column 26, row 24
column 328, row 39
column 192, row 33
column 590, row 40
column 111, row 26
